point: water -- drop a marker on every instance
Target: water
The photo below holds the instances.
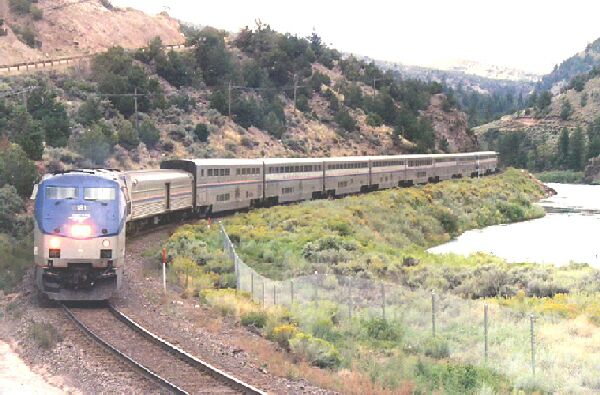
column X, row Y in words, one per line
column 568, row 233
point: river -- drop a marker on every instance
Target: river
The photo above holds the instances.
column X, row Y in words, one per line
column 568, row 233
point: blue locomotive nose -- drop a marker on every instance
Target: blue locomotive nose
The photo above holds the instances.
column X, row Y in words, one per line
column 79, row 206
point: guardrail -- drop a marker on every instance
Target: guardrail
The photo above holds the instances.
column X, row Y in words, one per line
column 46, row 64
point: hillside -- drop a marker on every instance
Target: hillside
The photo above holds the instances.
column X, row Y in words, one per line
column 531, row 137
column 61, row 28
column 227, row 95
column 579, row 63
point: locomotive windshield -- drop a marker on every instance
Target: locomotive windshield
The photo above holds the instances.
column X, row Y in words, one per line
column 99, row 193
column 53, row 192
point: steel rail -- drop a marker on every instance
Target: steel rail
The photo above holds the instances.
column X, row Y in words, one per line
column 147, row 372
column 187, row 357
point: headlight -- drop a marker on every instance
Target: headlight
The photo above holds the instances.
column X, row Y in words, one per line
column 106, row 243
column 54, row 243
column 81, row 231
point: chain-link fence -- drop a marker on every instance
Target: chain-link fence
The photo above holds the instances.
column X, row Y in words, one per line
column 528, row 350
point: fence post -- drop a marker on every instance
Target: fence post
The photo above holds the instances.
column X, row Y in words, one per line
column 291, row 292
column 350, row 298
column 252, row 285
column 532, row 333
column 433, row 313
column 274, row 295
column 485, row 331
column 263, row 293
column 383, row 300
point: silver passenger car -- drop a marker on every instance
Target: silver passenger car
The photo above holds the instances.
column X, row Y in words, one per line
column 155, row 192
column 345, row 175
column 223, row 184
column 292, row 179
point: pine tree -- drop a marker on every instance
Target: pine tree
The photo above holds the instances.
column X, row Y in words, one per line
column 577, row 150
column 563, row 148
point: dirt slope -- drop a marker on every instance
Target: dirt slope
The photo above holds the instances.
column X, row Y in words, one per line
column 70, row 27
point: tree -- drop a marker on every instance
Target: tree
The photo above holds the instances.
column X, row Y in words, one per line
column 11, row 205
column 593, row 135
column 17, row 170
column 149, row 133
column 44, row 107
column 577, row 154
column 213, row 57
column 544, row 100
column 201, row 132
column 345, row 120
column 219, row 101
column 90, row 111
column 563, row 148
column 94, row 145
column 26, row 132
column 565, row 109
column 127, row 135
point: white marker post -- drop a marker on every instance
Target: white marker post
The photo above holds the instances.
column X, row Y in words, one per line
column 164, row 269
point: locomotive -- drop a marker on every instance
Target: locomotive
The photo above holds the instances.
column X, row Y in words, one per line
column 82, row 216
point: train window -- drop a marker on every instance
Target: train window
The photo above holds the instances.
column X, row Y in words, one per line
column 201, row 172
column 61, row 192
column 209, row 172
column 287, row 190
column 237, row 171
column 99, row 193
column 223, row 197
column 244, row 172
column 342, row 184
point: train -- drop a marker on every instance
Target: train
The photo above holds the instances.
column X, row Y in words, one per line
column 82, row 216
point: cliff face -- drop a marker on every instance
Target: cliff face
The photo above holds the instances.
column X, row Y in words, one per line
column 449, row 125
column 69, row 28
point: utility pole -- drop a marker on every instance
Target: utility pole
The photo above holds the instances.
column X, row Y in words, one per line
column 229, row 98
column 135, row 104
column 295, row 89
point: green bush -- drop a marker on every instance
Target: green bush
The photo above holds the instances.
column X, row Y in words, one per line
column 44, row 334
column 36, row 12
column 201, row 132
column 345, row 120
column 381, row 329
column 94, row 145
column 451, row 378
column 149, row 133
column 20, row 6
column 127, row 136
column 257, row 319
column 317, row 352
column 17, row 170
column 436, row 347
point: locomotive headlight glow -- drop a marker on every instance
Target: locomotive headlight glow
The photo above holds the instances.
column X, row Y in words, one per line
column 54, row 243
column 81, row 231
column 106, row 243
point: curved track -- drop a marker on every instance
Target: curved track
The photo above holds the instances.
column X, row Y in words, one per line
column 172, row 368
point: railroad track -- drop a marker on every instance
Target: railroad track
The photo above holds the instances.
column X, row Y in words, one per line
column 172, row 368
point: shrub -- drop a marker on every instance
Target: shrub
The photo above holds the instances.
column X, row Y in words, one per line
column 149, row 133
column 127, row 136
column 17, row 170
column 20, row 6
column 90, row 111
column 317, row 352
column 381, row 329
column 436, row 347
column 45, row 335
column 36, row 12
column 257, row 319
column 201, row 132
column 282, row 334
column 94, row 145
column 374, row 120
column 345, row 120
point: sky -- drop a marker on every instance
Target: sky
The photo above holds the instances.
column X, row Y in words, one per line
column 530, row 35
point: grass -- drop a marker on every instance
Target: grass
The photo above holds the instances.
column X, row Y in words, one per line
column 44, row 334
column 561, row 176
column 16, row 259
column 384, row 236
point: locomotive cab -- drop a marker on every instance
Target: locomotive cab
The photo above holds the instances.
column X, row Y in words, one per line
column 79, row 235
